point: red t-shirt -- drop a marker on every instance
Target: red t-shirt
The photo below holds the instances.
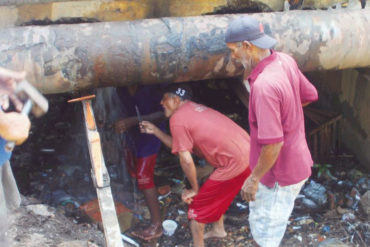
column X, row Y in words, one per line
column 202, row 130
column 278, row 90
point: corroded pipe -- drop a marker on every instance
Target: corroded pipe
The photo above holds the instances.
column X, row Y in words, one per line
column 63, row 58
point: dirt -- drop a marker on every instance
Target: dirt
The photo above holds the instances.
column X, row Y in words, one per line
column 30, row 229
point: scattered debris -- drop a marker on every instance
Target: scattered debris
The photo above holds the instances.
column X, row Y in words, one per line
column 53, row 166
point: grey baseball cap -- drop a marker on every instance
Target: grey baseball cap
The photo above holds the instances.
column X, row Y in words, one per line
column 249, row 29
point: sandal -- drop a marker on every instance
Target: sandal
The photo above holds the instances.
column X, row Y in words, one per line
column 151, row 232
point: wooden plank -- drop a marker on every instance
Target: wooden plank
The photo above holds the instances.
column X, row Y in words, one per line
column 102, row 182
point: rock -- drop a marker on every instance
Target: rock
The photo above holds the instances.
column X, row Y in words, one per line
column 332, row 242
column 40, row 209
column 365, row 203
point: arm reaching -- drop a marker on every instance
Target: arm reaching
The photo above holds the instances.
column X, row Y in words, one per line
column 125, row 124
column 149, row 128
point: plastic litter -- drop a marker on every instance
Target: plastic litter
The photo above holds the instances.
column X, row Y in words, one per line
column 169, row 227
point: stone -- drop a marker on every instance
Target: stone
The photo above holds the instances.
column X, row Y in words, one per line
column 40, row 209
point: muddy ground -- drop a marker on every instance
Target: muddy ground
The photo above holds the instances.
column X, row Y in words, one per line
column 55, row 161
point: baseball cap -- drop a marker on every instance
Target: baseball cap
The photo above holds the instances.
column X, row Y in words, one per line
column 249, row 29
column 180, row 89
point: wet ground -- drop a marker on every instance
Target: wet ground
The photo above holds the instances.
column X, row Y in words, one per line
column 55, row 161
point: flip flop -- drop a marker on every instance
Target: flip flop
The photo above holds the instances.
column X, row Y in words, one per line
column 151, row 232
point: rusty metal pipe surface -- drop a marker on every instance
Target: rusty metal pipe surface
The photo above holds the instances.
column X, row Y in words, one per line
column 62, row 58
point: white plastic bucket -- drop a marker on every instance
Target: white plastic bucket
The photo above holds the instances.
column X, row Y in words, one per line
column 169, row 227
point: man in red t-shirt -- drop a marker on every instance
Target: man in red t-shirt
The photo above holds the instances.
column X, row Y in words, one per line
column 279, row 157
column 201, row 130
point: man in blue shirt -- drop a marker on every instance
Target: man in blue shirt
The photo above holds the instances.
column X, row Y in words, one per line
column 13, row 127
column 141, row 149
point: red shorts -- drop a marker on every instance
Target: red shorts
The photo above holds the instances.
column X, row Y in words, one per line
column 142, row 169
column 215, row 197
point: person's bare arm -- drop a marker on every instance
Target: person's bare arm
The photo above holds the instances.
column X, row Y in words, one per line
column 188, row 166
column 266, row 160
column 149, row 128
column 125, row 124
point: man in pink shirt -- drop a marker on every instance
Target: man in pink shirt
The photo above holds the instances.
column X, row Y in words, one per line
column 279, row 157
column 201, row 130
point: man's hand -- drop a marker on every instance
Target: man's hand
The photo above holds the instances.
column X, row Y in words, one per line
column 249, row 189
column 148, row 128
column 187, row 195
column 269, row 154
column 8, row 83
column 14, row 127
column 124, row 124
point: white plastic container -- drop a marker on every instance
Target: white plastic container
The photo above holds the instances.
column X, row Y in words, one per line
column 169, row 227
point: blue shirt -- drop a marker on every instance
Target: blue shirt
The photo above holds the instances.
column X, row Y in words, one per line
column 4, row 155
column 147, row 98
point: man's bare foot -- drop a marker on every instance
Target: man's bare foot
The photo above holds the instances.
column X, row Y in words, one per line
column 151, row 232
column 215, row 234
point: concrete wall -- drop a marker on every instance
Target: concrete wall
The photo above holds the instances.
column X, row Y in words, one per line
column 348, row 92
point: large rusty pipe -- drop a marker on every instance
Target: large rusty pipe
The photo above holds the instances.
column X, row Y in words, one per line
column 62, row 58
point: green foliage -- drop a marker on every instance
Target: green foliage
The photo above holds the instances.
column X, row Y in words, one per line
column 324, row 169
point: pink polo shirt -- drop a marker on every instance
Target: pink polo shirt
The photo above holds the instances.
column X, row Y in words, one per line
column 206, row 132
column 278, row 90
